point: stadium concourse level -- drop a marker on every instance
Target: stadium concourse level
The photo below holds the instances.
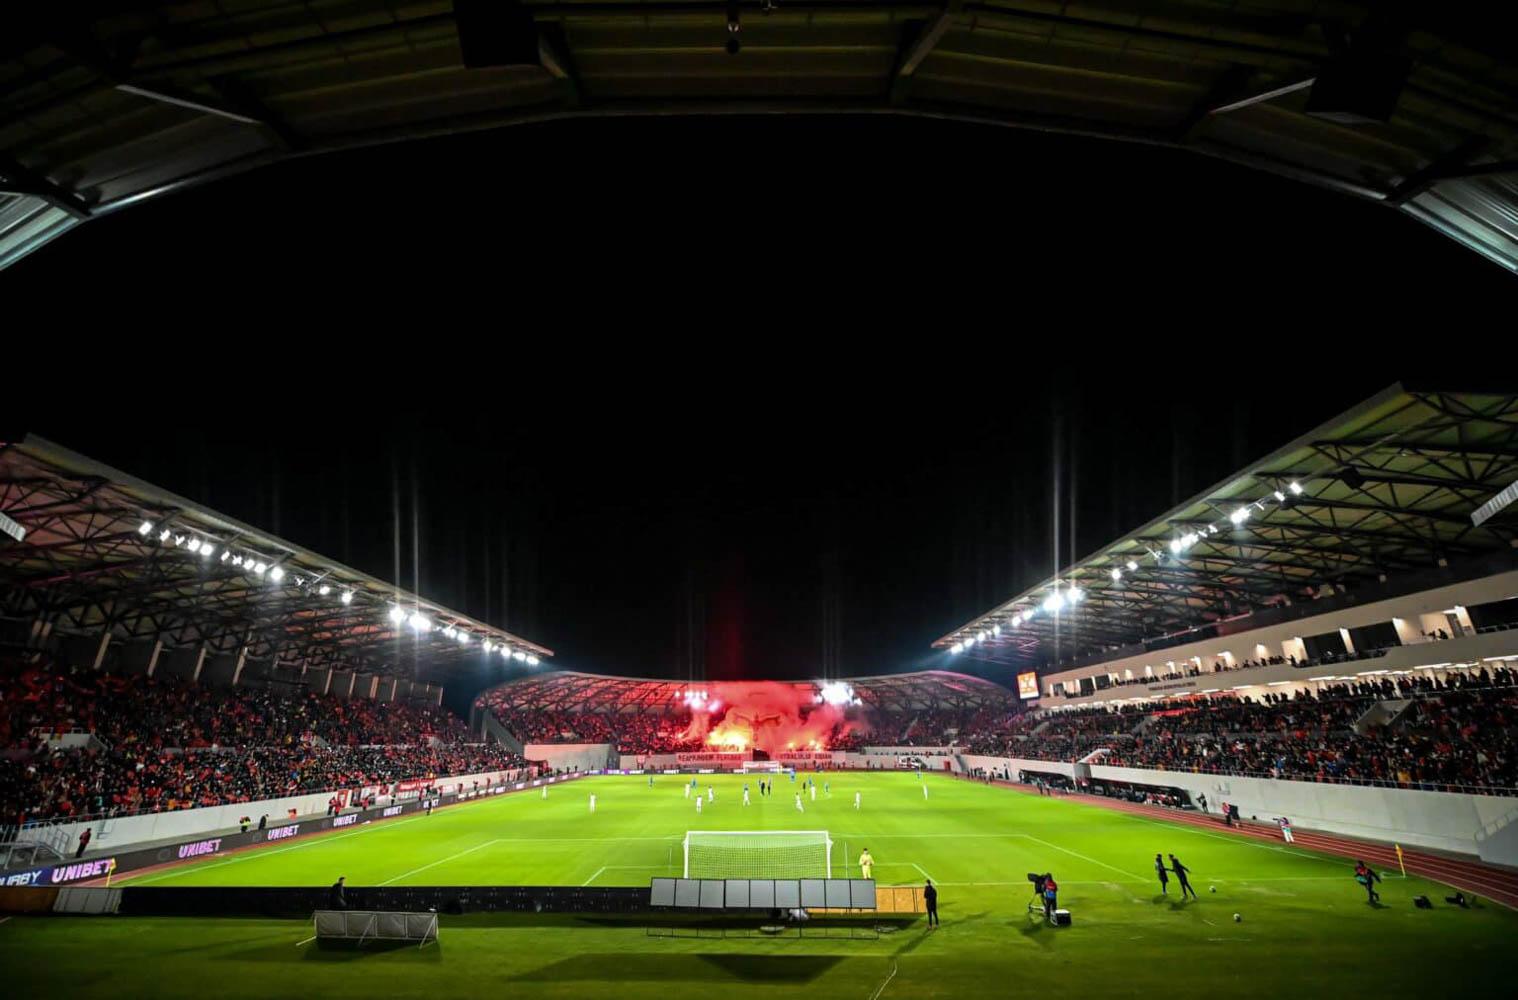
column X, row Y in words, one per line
column 928, row 708
column 162, row 745
column 1328, row 657
column 1454, row 733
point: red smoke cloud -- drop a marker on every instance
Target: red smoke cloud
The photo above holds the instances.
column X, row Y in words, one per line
column 765, row 715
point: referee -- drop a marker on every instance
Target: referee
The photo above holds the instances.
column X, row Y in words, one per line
column 930, row 896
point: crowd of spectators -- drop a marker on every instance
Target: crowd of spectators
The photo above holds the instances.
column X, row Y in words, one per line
column 165, row 744
column 65, row 783
column 38, row 699
column 1458, row 732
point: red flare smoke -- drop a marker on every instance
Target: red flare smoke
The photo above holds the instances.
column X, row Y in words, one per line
column 766, row 715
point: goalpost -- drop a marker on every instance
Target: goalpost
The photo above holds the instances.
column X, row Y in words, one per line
column 758, row 854
column 761, row 767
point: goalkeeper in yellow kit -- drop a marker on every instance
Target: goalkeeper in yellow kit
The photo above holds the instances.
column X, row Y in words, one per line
column 866, row 864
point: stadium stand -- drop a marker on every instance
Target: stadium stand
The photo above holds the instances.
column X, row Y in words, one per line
column 180, row 659
column 162, row 745
column 1456, row 732
column 928, row 708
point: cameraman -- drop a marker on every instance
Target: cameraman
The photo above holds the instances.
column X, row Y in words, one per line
column 1051, row 895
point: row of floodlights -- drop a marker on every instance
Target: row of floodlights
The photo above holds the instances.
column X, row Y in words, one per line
column 1056, row 601
column 206, row 548
column 421, row 623
column 1053, row 604
column 257, row 567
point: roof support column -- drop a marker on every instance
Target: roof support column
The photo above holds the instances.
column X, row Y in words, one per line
column 105, row 643
column 200, row 662
column 242, row 661
column 153, row 659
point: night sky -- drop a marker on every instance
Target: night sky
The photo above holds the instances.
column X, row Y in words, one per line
column 731, row 398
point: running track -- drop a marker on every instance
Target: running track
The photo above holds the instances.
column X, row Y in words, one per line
column 1476, row 877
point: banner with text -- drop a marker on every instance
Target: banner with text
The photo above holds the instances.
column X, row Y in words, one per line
column 713, row 759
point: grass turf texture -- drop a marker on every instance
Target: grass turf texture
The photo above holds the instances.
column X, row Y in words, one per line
column 1306, row 923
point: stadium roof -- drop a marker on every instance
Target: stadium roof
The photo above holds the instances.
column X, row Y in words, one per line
column 1386, row 488
column 569, row 690
column 120, row 101
column 103, row 550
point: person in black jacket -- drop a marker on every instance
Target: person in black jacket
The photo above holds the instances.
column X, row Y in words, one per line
column 930, row 896
column 336, row 899
column 1181, row 871
column 1368, row 879
column 1164, row 876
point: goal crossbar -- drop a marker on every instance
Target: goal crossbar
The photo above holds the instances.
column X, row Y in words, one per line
column 758, row 854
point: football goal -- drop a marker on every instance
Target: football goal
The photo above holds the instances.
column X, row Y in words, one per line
column 758, row 854
column 761, row 767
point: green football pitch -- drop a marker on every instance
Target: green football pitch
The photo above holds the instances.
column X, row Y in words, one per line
column 1306, row 925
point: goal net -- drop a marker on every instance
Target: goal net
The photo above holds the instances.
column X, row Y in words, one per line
column 758, row 854
column 761, row 766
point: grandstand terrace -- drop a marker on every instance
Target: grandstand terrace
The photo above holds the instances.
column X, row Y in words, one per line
column 1338, row 612
column 159, row 656
column 639, row 715
column 1372, row 505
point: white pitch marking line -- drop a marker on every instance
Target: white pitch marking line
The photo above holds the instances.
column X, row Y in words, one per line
column 306, row 941
column 921, row 872
column 593, row 877
column 1250, row 841
column 314, row 842
column 1081, row 856
column 451, row 857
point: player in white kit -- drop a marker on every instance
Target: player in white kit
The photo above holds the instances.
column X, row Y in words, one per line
column 592, row 803
column 687, row 791
column 814, row 793
column 856, row 800
column 698, row 805
column 925, row 793
column 710, row 793
column 745, row 795
column 798, row 803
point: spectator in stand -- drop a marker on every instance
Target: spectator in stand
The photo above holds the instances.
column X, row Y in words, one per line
column 84, row 842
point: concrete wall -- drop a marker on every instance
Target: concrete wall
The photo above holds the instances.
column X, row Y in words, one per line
column 116, row 834
column 1410, row 614
column 572, row 756
column 1482, row 825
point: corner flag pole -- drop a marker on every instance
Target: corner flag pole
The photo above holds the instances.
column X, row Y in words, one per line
column 1399, row 860
column 110, row 869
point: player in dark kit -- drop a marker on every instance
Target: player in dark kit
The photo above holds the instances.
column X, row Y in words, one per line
column 1367, row 878
column 1162, row 874
column 1181, row 871
column 930, row 896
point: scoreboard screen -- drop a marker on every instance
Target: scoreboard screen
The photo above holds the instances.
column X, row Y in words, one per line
column 1027, row 685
